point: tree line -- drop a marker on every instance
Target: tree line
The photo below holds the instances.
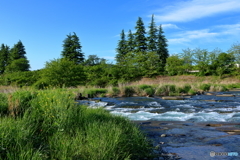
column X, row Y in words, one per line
column 139, row 54
column 142, row 54
column 13, row 59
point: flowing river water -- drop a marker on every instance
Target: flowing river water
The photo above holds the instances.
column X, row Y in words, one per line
column 184, row 129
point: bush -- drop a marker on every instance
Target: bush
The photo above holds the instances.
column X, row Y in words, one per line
column 91, row 93
column 205, row 87
column 166, row 90
column 115, row 91
column 192, row 92
column 128, row 91
column 62, row 72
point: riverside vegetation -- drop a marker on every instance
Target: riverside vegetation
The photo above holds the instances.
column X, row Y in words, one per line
column 48, row 124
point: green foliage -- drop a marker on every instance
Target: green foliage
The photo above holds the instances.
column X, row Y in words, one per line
column 94, row 60
column 94, row 92
column 3, row 103
column 174, row 65
column 146, row 90
column 184, row 89
column 205, row 87
column 20, row 101
column 99, row 75
column 162, row 50
column 139, row 35
column 62, row 72
column 192, row 92
column 225, row 63
column 54, row 127
column 130, row 42
column 115, row 91
column 4, row 57
column 18, row 65
column 20, row 79
column 122, row 48
column 72, row 50
column 166, row 90
column 152, row 38
column 18, row 51
column 128, row 91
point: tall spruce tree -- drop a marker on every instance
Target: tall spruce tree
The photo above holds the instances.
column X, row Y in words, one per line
column 72, row 50
column 4, row 57
column 130, row 42
column 152, row 38
column 162, row 50
column 18, row 51
column 140, row 39
column 122, row 48
column 17, row 59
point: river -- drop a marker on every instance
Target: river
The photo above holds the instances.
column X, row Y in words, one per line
column 187, row 129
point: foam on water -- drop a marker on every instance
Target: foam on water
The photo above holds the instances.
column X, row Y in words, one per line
column 183, row 110
column 180, row 116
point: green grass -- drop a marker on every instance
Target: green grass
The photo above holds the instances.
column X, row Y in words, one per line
column 53, row 126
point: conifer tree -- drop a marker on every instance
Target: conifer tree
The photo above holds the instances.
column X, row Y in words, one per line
column 4, row 57
column 18, row 51
column 162, row 50
column 152, row 39
column 72, row 50
column 122, row 48
column 140, row 39
column 130, row 42
column 17, row 59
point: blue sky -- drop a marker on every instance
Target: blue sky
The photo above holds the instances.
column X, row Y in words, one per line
column 42, row 25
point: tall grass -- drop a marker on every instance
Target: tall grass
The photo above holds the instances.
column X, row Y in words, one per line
column 53, row 126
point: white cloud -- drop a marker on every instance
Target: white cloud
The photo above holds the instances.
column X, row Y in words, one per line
column 172, row 26
column 108, row 57
column 215, row 34
column 195, row 9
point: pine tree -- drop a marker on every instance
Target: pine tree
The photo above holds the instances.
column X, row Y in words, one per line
column 152, row 39
column 122, row 48
column 18, row 51
column 140, row 39
column 130, row 42
column 162, row 50
column 72, row 49
column 4, row 57
column 17, row 59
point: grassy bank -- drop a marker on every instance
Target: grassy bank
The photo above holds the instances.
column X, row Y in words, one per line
column 48, row 124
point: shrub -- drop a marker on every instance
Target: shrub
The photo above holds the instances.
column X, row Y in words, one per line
column 166, row 90
column 94, row 92
column 205, row 87
column 62, row 72
column 192, row 92
column 128, row 91
column 115, row 91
